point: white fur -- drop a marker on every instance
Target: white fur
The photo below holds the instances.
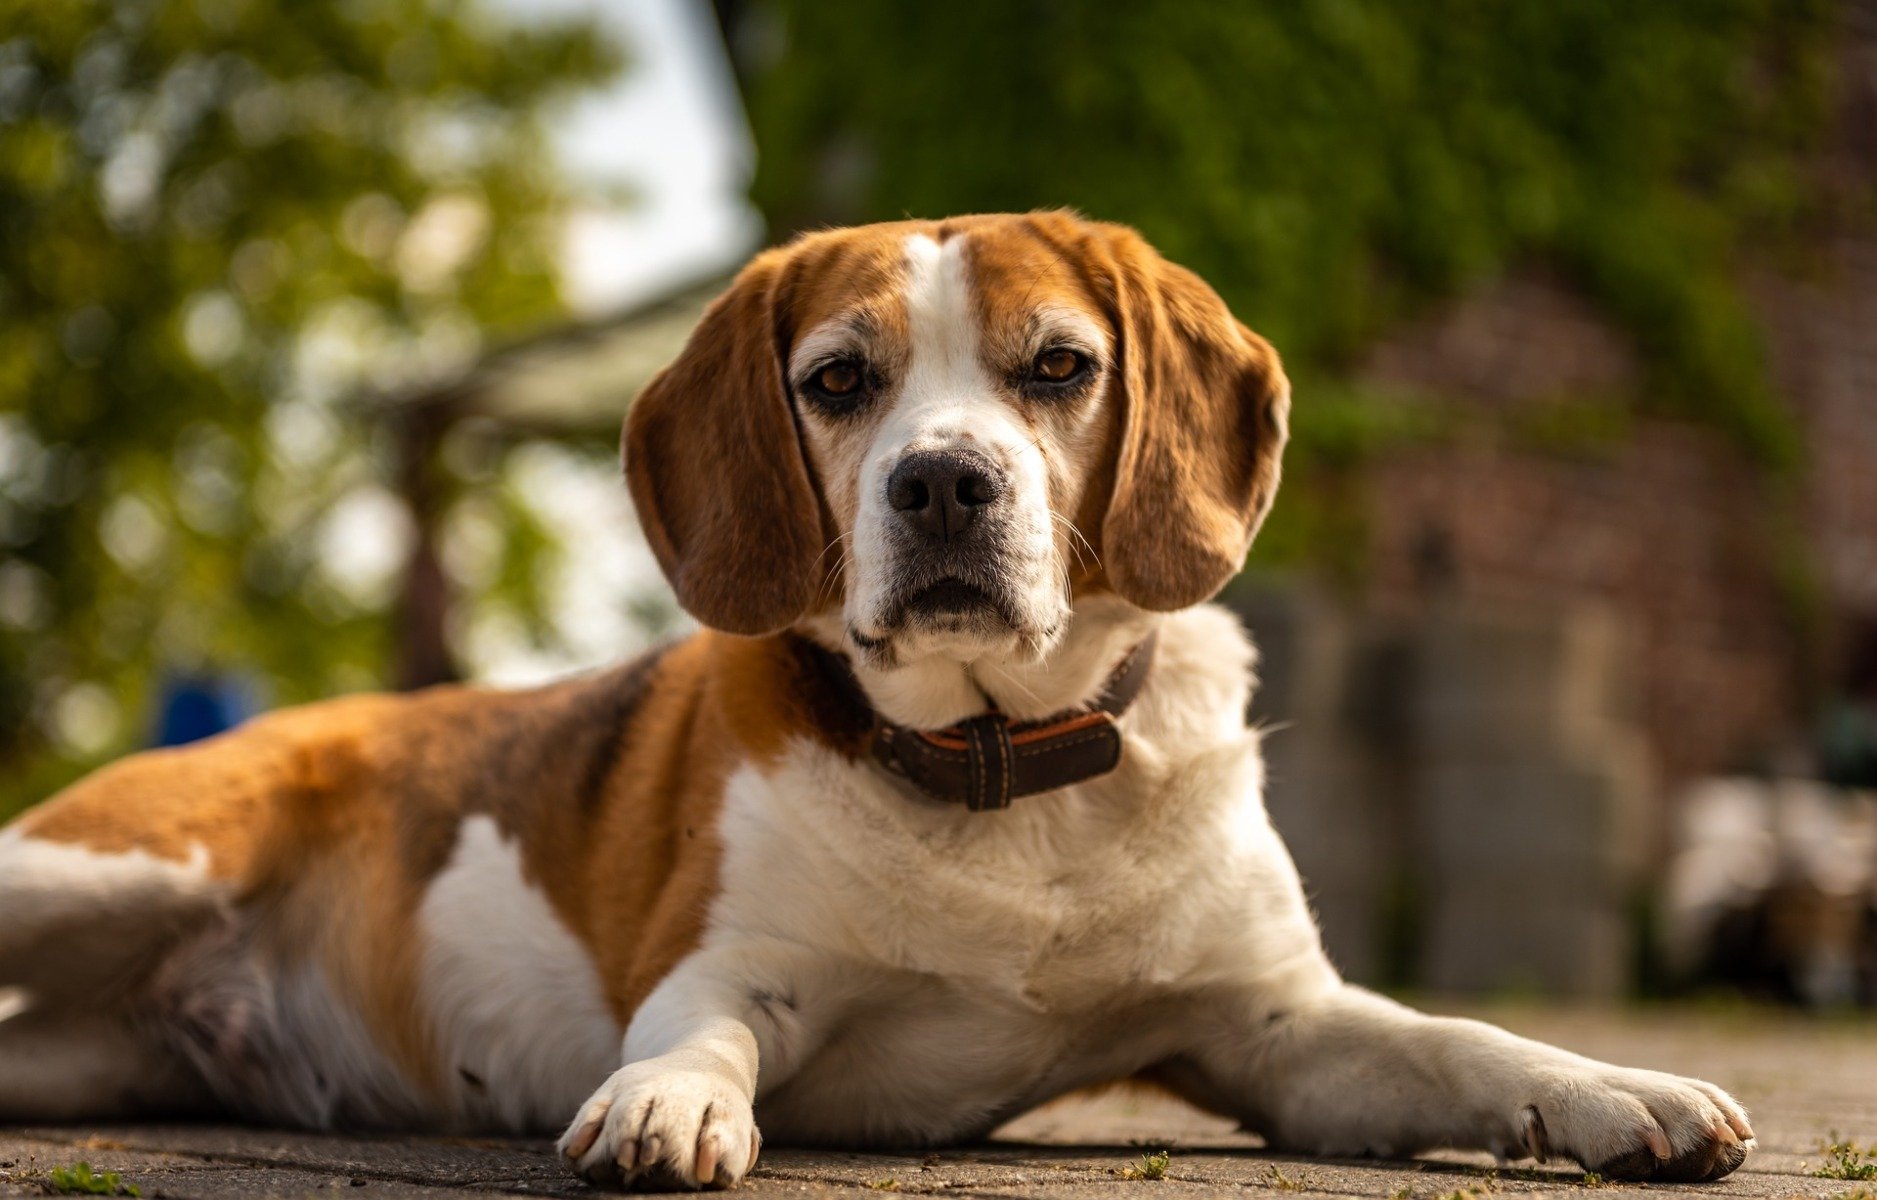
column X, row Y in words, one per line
column 515, row 1002
column 64, row 886
column 1054, row 924
column 894, row 970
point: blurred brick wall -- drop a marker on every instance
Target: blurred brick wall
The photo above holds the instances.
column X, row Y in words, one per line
column 1823, row 332
column 1662, row 525
column 1670, row 524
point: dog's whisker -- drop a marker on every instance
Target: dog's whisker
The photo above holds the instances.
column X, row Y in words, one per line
column 834, row 573
column 833, row 576
column 1012, row 683
column 1078, row 536
column 838, row 539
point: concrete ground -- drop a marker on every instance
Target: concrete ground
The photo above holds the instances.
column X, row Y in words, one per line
column 1801, row 1079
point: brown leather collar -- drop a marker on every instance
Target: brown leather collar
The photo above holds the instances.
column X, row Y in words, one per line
column 987, row 761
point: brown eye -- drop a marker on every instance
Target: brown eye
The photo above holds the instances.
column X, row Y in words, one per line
column 1058, row 366
column 836, row 380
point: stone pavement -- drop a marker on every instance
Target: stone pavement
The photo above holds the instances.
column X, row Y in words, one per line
column 1801, row 1079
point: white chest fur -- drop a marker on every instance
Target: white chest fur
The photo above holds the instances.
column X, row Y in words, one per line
column 922, row 971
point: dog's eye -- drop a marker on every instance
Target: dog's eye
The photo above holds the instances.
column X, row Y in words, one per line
column 837, row 380
column 1058, row 366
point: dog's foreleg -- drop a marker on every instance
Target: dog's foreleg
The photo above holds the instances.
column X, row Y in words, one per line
column 1348, row 1072
column 680, row 1113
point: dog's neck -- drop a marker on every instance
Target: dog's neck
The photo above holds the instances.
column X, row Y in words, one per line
column 938, row 690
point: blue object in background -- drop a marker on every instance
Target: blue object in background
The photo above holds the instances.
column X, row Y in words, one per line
column 192, row 707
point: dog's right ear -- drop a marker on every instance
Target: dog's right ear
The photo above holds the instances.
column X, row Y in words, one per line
column 717, row 469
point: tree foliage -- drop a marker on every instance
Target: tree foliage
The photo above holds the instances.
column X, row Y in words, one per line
column 1332, row 165
column 218, row 218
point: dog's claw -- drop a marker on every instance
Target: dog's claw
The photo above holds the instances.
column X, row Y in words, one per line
column 1532, row 1133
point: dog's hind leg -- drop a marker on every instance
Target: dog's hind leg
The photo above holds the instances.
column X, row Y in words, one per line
column 82, row 936
column 58, row 1065
column 80, row 928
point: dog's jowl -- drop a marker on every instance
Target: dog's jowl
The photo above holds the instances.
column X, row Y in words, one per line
column 949, row 810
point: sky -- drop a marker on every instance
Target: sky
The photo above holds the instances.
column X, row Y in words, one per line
column 670, row 128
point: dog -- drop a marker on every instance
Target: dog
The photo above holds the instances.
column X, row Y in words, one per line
column 951, row 808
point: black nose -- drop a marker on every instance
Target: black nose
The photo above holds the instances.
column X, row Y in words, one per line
column 940, row 492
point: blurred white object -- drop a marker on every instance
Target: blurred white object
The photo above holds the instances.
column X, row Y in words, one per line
column 1773, row 885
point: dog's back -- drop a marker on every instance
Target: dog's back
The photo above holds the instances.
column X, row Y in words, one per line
column 401, row 883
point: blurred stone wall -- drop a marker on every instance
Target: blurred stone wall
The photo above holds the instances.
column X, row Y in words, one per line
column 1463, row 794
column 1473, row 749
column 1477, row 748
column 1670, row 525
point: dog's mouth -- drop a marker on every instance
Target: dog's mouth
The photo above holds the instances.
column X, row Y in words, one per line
column 959, row 611
column 949, row 597
column 952, row 604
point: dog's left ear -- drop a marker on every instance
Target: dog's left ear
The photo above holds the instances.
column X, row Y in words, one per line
column 717, row 468
column 1205, row 416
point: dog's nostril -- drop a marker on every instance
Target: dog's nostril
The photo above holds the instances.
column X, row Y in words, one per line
column 909, row 495
column 975, row 487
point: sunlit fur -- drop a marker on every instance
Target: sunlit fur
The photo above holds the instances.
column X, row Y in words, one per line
column 683, row 886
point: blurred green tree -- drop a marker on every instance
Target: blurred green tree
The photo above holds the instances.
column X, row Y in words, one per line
column 1329, row 166
column 218, row 219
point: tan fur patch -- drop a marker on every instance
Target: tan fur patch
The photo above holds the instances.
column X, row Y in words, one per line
column 327, row 822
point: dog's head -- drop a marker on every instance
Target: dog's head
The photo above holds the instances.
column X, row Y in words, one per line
column 946, row 432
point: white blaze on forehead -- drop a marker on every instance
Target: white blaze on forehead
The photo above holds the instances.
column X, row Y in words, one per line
column 944, row 330
column 947, row 396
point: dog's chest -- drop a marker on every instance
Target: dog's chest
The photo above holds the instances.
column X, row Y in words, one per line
column 925, row 1060
column 1054, row 905
column 961, row 966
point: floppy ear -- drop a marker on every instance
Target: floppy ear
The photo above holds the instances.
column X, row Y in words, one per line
column 717, row 470
column 1205, row 412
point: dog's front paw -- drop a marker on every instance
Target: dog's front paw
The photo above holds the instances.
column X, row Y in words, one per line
column 1640, row 1125
column 651, row 1128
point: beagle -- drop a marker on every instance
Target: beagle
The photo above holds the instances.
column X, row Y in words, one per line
column 949, row 810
